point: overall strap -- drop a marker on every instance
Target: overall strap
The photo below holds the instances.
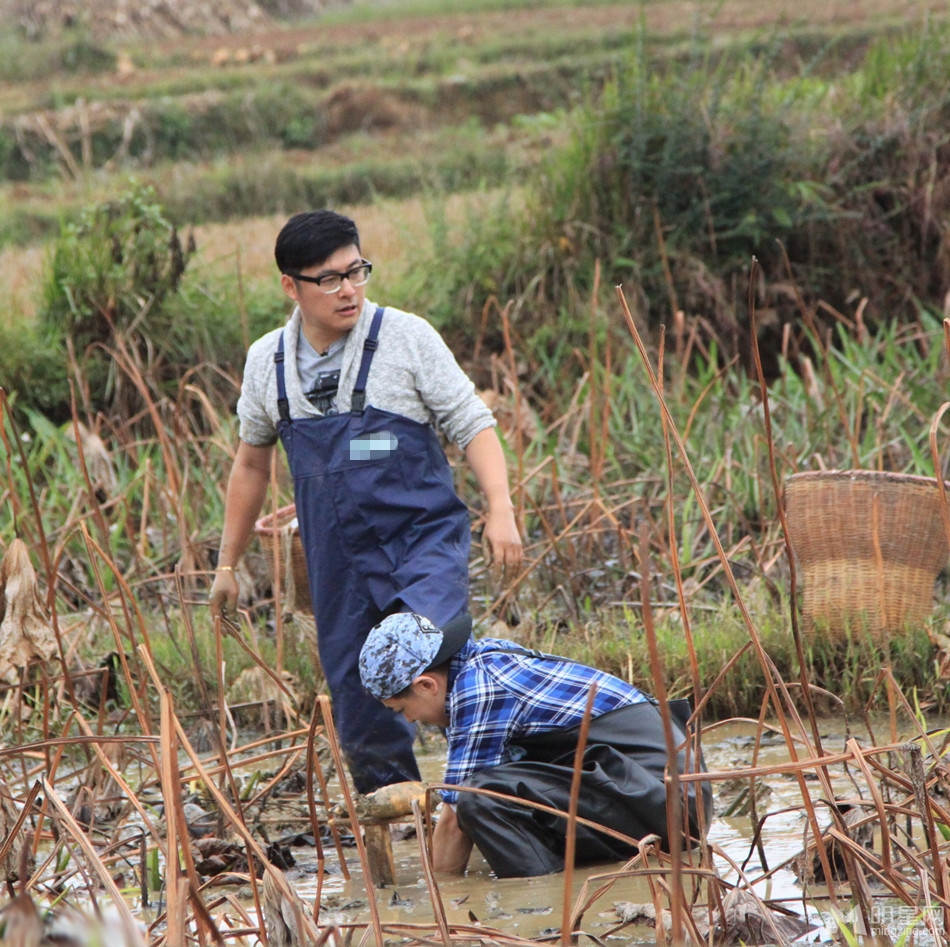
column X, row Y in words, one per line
column 283, row 405
column 523, row 652
column 358, row 400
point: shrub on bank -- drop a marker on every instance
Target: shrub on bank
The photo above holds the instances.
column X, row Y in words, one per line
column 117, row 318
column 675, row 179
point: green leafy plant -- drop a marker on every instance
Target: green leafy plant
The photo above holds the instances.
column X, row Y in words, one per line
column 116, row 263
column 110, row 275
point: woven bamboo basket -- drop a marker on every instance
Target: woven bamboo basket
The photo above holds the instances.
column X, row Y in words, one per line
column 869, row 546
column 280, row 529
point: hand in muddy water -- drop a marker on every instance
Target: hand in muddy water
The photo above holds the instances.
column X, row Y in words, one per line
column 396, row 902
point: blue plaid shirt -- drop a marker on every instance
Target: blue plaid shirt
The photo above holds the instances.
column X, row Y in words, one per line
column 498, row 692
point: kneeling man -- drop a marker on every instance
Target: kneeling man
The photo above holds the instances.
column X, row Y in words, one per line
column 512, row 718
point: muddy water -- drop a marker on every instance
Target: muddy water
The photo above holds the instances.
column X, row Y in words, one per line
column 533, row 907
column 524, row 907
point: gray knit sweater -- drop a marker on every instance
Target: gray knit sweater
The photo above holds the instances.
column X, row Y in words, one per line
column 413, row 374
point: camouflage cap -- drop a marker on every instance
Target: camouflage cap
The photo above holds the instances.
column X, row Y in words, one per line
column 402, row 646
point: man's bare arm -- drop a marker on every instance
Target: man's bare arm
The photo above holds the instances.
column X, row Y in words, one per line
column 451, row 847
column 247, row 488
column 487, row 460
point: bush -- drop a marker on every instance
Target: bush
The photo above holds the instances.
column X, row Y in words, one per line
column 72, row 52
column 116, row 264
column 675, row 179
column 109, row 276
column 34, row 368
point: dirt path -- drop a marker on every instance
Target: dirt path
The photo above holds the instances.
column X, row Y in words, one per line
column 668, row 17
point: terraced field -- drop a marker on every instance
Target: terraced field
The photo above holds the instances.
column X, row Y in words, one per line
column 367, row 100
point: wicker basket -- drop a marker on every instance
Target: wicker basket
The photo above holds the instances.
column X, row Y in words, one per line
column 869, row 545
column 280, row 529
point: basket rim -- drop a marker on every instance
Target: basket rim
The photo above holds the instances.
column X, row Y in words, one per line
column 270, row 523
column 857, row 474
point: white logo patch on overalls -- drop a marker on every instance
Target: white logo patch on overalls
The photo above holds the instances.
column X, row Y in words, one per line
column 374, row 446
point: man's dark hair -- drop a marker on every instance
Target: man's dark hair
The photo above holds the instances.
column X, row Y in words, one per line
column 312, row 237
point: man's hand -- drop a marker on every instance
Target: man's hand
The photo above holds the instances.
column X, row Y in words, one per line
column 223, row 597
column 501, row 537
column 503, row 540
column 247, row 487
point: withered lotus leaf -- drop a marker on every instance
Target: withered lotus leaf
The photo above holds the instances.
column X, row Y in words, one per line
column 26, row 634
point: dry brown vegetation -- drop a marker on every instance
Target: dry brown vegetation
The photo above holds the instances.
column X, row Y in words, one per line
column 106, row 767
column 105, row 748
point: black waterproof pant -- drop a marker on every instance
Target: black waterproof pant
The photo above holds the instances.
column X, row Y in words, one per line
column 623, row 788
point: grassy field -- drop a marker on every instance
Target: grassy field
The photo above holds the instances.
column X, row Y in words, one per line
column 369, row 100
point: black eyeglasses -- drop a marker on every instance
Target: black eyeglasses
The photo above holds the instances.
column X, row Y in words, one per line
column 333, row 282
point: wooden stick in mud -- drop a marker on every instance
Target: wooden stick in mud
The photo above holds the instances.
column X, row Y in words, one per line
column 330, row 729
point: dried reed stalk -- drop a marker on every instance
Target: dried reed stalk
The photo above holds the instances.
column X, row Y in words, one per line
column 778, row 691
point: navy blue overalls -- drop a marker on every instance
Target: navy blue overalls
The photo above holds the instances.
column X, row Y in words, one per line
column 383, row 531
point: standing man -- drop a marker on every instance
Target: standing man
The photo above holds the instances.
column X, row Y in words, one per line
column 512, row 718
column 355, row 393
